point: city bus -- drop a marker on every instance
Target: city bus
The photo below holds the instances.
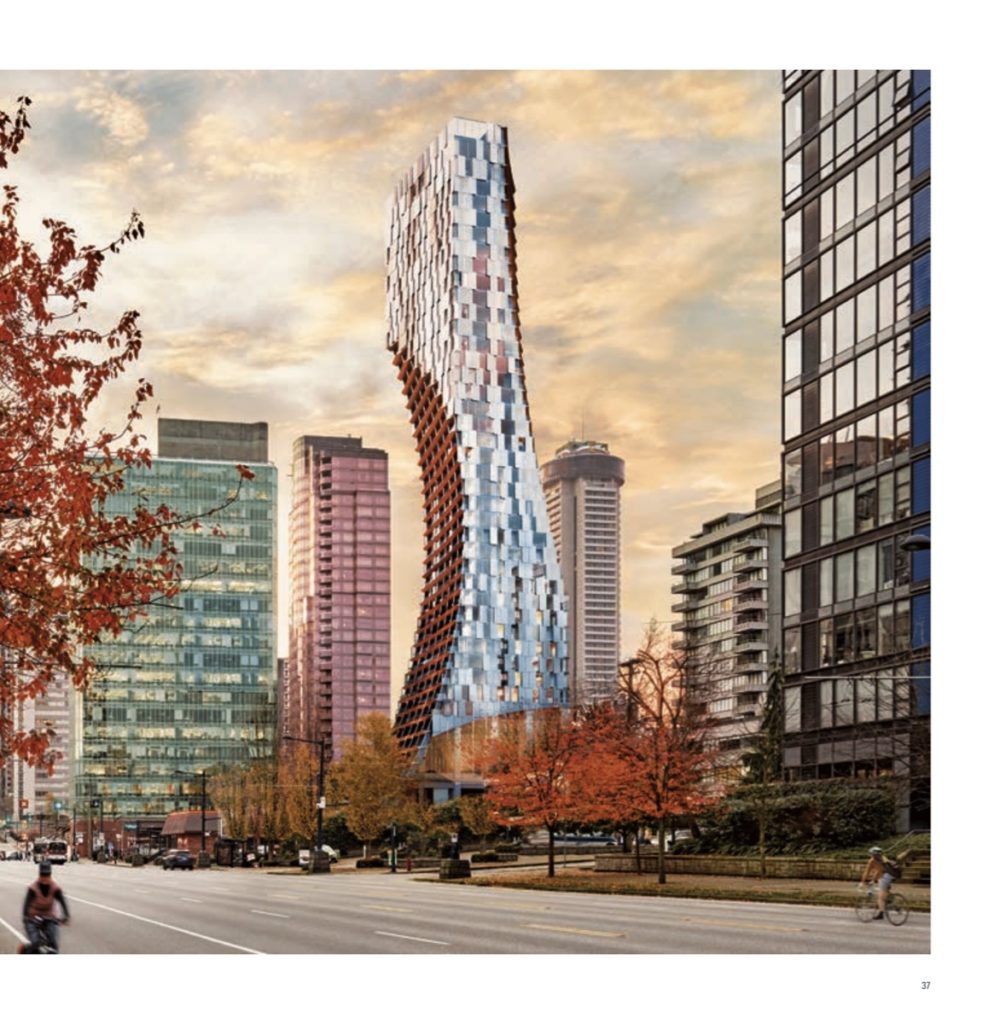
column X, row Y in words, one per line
column 53, row 850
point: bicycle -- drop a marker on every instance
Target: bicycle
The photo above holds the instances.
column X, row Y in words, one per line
column 47, row 932
column 896, row 910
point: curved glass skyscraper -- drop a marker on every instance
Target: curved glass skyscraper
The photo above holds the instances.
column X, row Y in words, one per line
column 491, row 636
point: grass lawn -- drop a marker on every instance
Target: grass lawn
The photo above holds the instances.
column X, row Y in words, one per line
column 709, row 887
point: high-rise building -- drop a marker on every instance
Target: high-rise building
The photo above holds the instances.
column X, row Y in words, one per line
column 731, row 615
column 339, row 644
column 192, row 685
column 582, row 485
column 30, row 789
column 857, row 274
column 491, row 635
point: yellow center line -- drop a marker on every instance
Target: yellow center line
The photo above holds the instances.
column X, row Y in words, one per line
column 741, row 924
column 576, row 931
column 379, row 906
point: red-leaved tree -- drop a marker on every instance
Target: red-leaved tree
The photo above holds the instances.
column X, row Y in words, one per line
column 529, row 772
column 70, row 573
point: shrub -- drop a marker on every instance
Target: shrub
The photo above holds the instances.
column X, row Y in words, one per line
column 370, row 862
column 483, row 858
column 805, row 817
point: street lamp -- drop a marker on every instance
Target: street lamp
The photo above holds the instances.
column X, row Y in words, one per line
column 320, row 799
column 916, row 542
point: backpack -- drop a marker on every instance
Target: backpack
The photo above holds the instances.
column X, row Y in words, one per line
column 894, row 868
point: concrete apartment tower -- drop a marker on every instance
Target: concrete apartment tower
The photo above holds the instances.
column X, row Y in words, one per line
column 582, row 485
column 730, row 582
column 491, row 635
column 194, row 686
column 339, row 645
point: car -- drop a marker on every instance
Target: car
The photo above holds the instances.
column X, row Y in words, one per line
column 178, row 859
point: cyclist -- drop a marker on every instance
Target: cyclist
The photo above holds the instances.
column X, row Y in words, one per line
column 876, row 870
column 41, row 921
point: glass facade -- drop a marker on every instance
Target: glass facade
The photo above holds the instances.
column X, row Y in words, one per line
column 856, row 425
column 191, row 686
column 491, row 637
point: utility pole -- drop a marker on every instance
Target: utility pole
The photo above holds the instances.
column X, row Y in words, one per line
column 320, row 798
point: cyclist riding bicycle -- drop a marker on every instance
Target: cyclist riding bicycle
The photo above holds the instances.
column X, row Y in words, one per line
column 877, row 870
column 41, row 921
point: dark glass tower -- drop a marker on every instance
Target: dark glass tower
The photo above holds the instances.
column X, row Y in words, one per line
column 856, row 428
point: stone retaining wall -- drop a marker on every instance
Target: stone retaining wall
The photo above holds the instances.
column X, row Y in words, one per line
column 691, row 864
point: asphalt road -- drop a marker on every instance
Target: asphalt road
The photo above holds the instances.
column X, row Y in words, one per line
column 148, row 910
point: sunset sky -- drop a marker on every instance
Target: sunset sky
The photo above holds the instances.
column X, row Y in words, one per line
column 648, row 267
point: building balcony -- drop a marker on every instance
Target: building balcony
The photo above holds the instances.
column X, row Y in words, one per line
column 748, row 586
column 750, row 663
column 750, row 623
column 749, row 564
column 750, row 603
column 688, row 587
column 682, row 568
column 684, row 606
column 750, row 645
column 749, row 544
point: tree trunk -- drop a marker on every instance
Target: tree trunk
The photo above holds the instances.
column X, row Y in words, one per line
column 638, row 850
column 762, row 844
column 552, row 852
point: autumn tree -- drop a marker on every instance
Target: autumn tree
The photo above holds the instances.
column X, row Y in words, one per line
column 297, row 775
column 71, row 573
column 477, row 816
column 373, row 776
column 528, row 770
column 666, row 754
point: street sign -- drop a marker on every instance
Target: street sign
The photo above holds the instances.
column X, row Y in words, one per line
column 24, row 805
column 79, row 837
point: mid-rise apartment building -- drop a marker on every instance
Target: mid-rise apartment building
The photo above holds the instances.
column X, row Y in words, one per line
column 730, row 624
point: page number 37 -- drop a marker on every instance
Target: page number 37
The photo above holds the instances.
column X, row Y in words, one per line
column 925, row 984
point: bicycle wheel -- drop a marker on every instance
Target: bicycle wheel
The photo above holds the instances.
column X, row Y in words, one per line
column 896, row 909
column 866, row 907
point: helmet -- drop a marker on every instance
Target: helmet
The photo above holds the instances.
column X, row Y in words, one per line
column 45, row 867
column 875, row 850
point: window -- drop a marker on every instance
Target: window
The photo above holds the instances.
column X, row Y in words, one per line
column 826, row 454
column 922, row 418
column 922, row 147
column 793, row 118
column 867, row 442
column 843, row 638
column 793, row 591
column 844, row 465
column 903, row 492
column 866, row 506
column 826, row 521
column 793, row 473
column 825, row 397
column 921, row 355
column 793, row 296
column 865, row 698
column 886, row 237
column 826, row 337
column 885, row 499
column 825, row 582
column 845, row 325
column 922, row 215
column 793, row 355
column 865, row 378
column 793, row 532
column 826, row 642
column 902, row 641
column 922, row 282
column 921, row 621
column 793, row 414
column 793, row 237
column 844, row 501
column 866, row 313
column 867, row 238
column 793, row 660
column 844, row 707
column 865, row 582
column 844, row 566
column 845, row 389
column 866, row 191
column 845, row 201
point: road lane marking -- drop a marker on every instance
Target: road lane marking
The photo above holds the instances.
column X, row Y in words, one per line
column 576, row 931
column 393, row 910
column 740, row 924
column 188, row 899
column 170, row 927
column 13, row 931
column 277, row 896
column 414, row 938
column 267, row 913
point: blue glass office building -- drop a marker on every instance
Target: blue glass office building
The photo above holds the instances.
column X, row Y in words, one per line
column 856, row 428
column 192, row 686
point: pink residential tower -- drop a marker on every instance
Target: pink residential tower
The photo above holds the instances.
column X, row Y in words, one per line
column 338, row 657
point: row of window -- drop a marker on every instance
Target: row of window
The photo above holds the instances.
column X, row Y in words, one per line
column 854, row 574
column 853, row 197
column 842, row 140
column 879, row 696
column 868, row 442
column 876, row 502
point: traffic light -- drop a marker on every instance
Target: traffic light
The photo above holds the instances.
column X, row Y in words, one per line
column 95, row 803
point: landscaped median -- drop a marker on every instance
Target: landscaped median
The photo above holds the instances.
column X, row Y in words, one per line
column 822, row 892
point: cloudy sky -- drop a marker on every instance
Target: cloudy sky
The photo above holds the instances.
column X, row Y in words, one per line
column 648, row 266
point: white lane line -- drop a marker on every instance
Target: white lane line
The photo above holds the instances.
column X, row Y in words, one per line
column 171, row 927
column 267, row 913
column 413, row 938
column 14, row 931
column 188, row 899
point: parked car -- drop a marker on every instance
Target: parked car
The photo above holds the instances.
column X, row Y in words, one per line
column 178, row 859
